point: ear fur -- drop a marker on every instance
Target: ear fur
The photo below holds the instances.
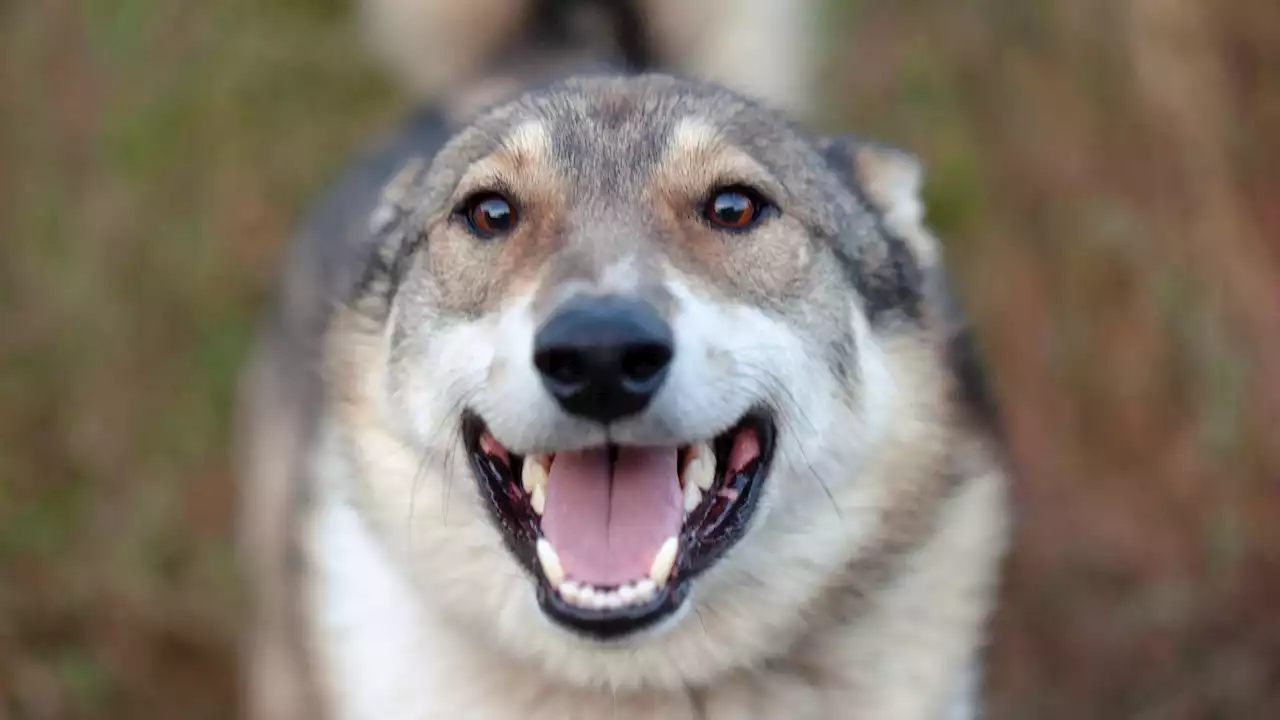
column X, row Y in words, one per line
column 889, row 182
column 889, row 266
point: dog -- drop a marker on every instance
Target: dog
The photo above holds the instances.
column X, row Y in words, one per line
column 603, row 389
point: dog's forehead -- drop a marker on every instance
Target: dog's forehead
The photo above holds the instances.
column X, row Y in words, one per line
column 606, row 134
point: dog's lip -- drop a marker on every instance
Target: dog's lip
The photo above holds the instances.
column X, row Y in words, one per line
column 611, row 625
column 701, row 542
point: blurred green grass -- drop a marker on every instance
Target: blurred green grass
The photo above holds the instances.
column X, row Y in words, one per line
column 1114, row 240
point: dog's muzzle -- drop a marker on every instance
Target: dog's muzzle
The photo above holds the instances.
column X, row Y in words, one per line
column 614, row 534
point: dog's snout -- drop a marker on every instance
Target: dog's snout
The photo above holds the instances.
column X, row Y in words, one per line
column 604, row 358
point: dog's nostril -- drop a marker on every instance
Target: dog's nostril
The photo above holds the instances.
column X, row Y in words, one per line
column 563, row 365
column 604, row 358
column 644, row 361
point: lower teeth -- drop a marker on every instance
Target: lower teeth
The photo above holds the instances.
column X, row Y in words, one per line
column 591, row 598
column 594, row 598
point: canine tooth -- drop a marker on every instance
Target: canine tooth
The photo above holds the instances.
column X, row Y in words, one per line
column 534, row 474
column 538, row 499
column 645, row 590
column 550, row 562
column 692, row 497
column 701, row 470
column 489, row 444
column 664, row 561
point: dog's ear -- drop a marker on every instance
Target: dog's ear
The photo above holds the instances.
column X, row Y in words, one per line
column 903, row 267
column 889, row 179
column 902, row 263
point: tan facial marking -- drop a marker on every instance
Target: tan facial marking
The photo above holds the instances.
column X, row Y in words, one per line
column 697, row 157
column 475, row 274
column 697, row 161
column 522, row 160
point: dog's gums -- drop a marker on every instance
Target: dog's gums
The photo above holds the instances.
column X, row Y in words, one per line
column 614, row 535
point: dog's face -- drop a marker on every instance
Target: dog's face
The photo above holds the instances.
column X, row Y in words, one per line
column 644, row 352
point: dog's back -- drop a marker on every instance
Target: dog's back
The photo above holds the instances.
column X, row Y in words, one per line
column 454, row 57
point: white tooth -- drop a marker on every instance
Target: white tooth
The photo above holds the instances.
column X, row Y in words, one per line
column 692, row 497
column 645, row 590
column 538, row 499
column 612, row 601
column 593, row 598
column 570, row 591
column 627, row 594
column 701, row 470
column 664, row 561
column 534, row 474
column 550, row 563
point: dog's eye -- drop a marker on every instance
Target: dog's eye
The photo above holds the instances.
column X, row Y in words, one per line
column 489, row 214
column 734, row 208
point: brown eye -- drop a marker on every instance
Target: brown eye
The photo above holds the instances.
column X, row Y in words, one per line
column 489, row 214
column 734, row 208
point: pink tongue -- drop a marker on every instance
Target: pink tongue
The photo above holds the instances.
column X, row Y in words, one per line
column 607, row 533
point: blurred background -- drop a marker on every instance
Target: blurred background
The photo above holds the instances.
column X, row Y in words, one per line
column 1105, row 172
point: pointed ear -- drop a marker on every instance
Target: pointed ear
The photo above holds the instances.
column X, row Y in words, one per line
column 889, row 182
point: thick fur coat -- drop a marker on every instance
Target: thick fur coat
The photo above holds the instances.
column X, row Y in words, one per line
column 387, row 583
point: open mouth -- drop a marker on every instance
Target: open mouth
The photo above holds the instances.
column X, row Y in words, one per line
column 615, row 534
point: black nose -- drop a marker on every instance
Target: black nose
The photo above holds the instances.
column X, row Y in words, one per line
column 604, row 358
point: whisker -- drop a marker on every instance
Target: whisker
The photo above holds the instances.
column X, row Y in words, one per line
column 698, row 614
column 413, row 493
column 791, row 407
column 451, row 454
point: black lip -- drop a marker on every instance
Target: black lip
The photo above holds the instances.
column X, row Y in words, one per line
column 705, row 544
column 605, row 625
column 704, row 539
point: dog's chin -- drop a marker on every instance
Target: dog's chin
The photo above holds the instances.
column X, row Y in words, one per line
column 615, row 537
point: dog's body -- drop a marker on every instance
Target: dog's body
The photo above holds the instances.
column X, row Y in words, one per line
column 840, row 558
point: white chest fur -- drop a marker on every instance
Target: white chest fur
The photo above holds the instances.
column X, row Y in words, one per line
column 373, row 648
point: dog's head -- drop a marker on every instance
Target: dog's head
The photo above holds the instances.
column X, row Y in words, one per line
column 638, row 371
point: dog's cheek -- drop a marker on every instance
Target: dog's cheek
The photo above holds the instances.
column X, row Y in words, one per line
column 437, row 366
column 463, row 271
column 770, row 263
column 842, row 357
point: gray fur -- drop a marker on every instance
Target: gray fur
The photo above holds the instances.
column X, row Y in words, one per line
column 353, row 368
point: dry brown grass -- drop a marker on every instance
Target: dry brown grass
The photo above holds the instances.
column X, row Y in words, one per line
column 1106, row 172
